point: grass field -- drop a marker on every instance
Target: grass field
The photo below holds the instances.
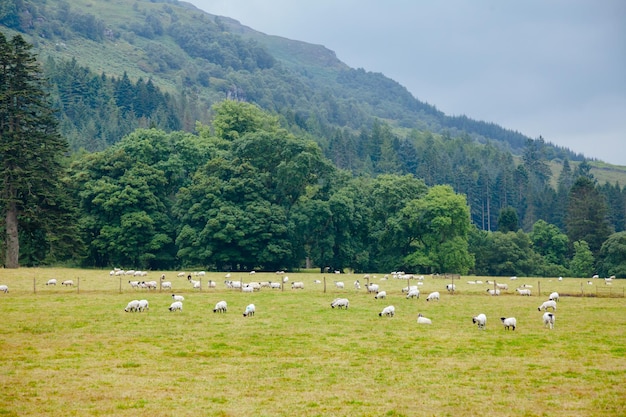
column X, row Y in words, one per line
column 75, row 352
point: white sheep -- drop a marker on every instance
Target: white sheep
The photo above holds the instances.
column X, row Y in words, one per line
column 52, row 281
column 297, row 285
column 509, row 323
column 433, row 296
column 176, row 305
column 134, row 284
column 143, row 305
column 151, row 285
column 220, row 307
column 409, row 288
column 249, row 311
column 548, row 320
column 380, row 295
column 548, row 304
column 4, row 288
column 523, row 291
column 450, row 287
column 423, row 320
column 166, row 285
column 504, row 287
column 247, row 288
column 68, row 283
column 480, row 320
column 211, row 284
column 275, row 285
column 554, row 296
column 178, row 297
column 388, row 311
column 413, row 293
column 491, row 291
column 339, row 284
column 372, row 288
column 132, row 306
column 340, row 303
column 357, row 285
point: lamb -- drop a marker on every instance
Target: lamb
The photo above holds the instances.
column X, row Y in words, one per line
column 554, row 296
column 548, row 304
column 143, row 305
column 52, row 281
column 132, row 306
column 178, row 297
column 339, row 284
column 509, row 323
column 523, row 291
column 433, row 296
column 413, row 293
column 4, row 288
column 388, row 311
column 548, row 320
column 166, row 285
column 504, row 287
column 176, row 305
column 340, row 303
column 480, row 320
column 380, row 295
column 211, row 284
column 151, row 285
column 451, row 287
column 493, row 292
column 357, row 285
column 134, row 284
column 220, row 307
column 68, row 283
column 297, row 285
column 249, row 311
column 423, row 320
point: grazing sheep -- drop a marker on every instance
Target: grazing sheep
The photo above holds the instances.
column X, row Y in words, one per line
column 480, row 320
column 166, row 285
column 504, row 287
column 339, row 284
column 388, row 311
column 297, row 285
column 548, row 304
column 247, row 288
column 372, row 288
column 409, row 288
column 249, row 311
column 143, row 305
column 151, row 285
column 433, row 296
column 132, row 306
column 357, row 285
column 52, row 281
column 195, row 284
column 491, row 291
column 340, row 303
column 275, row 285
column 134, row 284
column 509, row 323
column 220, row 307
column 413, row 293
column 4, row 288
column 523, row 291
column 211, row 284
column 423, row 320
column 178, row 297
column 554, row 296
column 68, row 283
column 176, row 305
column 548, row 320
column 450, row 287
column 380, row 295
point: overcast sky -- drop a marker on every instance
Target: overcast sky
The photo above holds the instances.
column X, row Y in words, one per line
column 555, row 68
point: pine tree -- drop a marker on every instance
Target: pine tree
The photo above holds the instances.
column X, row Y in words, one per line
column 30, row 149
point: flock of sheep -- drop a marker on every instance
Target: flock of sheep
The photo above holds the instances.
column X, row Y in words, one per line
column 412, row 291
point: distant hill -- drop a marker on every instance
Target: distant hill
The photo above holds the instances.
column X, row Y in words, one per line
column 197, row 59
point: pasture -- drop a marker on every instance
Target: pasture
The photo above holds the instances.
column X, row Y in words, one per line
column 75, row 352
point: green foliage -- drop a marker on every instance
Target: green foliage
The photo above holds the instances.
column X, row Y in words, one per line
column 613, row 256
column 583, row 260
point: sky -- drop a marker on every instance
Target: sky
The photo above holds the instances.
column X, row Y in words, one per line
column 549, row 68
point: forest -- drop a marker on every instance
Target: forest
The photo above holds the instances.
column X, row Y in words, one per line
column 151, row 179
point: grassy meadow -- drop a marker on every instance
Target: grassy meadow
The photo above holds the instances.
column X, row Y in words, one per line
column 75, row 352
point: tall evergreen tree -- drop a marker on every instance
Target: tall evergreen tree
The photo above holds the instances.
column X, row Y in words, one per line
column 30, row 150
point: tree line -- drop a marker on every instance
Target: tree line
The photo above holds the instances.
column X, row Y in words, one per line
column 244, row 192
